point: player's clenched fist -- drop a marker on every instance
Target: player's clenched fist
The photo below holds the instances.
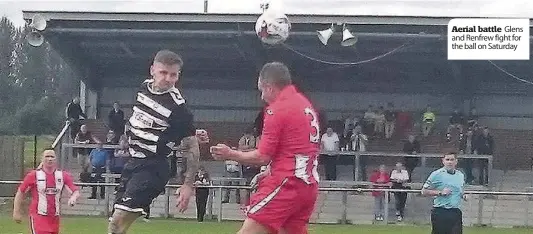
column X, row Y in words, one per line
column 202, row 136
column 220, row 151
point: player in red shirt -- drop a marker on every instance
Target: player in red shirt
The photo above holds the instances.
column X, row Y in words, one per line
column 45, row 184
column 286, row 194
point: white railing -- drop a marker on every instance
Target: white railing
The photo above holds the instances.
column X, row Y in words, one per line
column 61, row 134
column 481, row 196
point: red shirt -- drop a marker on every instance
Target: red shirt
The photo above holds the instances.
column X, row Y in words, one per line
column 51, row 192
column 291, row 137
column 384, row 183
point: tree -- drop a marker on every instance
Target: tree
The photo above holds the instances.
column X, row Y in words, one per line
column 7, row 49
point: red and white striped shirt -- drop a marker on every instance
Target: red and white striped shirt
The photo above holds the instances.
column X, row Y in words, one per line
column 46, row 190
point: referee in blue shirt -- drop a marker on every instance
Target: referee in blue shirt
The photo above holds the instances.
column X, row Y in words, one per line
column 447, row 186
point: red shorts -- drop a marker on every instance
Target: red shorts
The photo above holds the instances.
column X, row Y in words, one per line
column 40, row 224
column 283, row 203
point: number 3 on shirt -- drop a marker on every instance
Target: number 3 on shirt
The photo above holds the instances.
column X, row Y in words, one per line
column 314, row 137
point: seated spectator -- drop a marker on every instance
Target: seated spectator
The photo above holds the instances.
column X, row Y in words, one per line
column 202, row 179
column 399, row 176
column 428, row 121
column 329, row 146
column 472, row 121
column 112, row 138
column 121, row 156
column 99, row 158
column 390, row 120
column 456, row 122
column 84, row 137
column 412, row 146
column 379, row 179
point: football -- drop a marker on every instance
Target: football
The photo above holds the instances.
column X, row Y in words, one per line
column 272, row 27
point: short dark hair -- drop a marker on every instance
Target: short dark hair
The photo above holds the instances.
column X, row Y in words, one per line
column 168, row 57
column 276, row 73
column 450, row 153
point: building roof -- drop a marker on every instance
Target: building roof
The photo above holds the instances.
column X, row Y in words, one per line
column 226, row 44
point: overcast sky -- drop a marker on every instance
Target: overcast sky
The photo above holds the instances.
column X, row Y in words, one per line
column 452, row 8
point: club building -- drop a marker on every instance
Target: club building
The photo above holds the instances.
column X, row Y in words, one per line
column 402, row 60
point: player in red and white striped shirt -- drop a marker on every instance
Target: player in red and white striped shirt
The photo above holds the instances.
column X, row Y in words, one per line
column 46, row 185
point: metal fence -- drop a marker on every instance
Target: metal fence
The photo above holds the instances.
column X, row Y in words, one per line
column 479, row 197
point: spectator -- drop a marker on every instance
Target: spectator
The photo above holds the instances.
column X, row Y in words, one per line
column 84, row 137
column 369, row 121
column 398, row 178
column 379, row 179
column 233, row 171
column 404, row 123
column 121, row 156
column 428, row 121
column 472, row 118
column 390, row 120
column 248, row 143
column 466, row 146
column 359, row 140
column 456, row 122
column 99, row 158
column 73, row 114
column 484, row 146
column 412, row 146
column 346, row 140
column 202, row 179
column 379, row 122
column 115, row 119
column 329, row 146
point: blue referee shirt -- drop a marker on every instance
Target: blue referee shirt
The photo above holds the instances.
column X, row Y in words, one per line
column 440, row 179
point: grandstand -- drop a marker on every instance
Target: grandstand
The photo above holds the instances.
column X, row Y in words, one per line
column 112, row 52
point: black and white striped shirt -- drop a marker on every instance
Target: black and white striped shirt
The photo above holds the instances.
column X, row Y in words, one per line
column 159, row 120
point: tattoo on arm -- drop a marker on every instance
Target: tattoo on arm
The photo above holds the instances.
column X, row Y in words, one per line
column 191, row 150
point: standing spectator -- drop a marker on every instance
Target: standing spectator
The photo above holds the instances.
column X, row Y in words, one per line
column 73, row 114
column 398, row 178
column 456, row 122
column 379, row 122
column 484, row 146
column 99, row 158
column 404, row 123
column 428, row 121
column 202, row 179
column 115, row 119
column 412, row 146
column 466, row 146
column 233, row 171
column 369, row 120
column 379, row 179
column 248, row 143
column 390, row 120
column 359, row 140
column 472, row 120
column 329, row 145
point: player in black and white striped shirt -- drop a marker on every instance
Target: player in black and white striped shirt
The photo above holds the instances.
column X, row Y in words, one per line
column 160, row 120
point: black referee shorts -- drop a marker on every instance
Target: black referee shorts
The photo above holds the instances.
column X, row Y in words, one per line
column 142, row 181
column 446, row 221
